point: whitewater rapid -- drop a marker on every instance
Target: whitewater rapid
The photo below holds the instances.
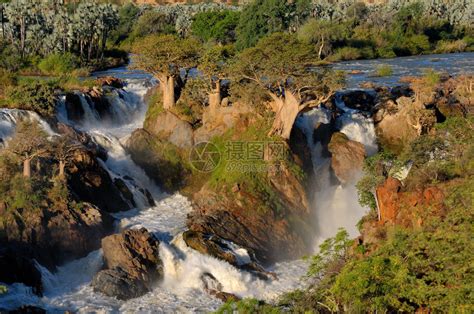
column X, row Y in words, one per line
column 181, row 289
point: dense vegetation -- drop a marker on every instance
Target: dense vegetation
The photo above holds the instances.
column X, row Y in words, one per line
column 409, row 266
column 259, row 55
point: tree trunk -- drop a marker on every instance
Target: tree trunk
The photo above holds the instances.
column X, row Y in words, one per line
column 27, row 168
column 288, row 109
column 3, row 22
column 167, row 87
column 62, row 167
column 215, row 97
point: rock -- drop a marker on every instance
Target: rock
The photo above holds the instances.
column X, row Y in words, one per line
column 359, row 100
column 133, row 264
column 214, row 288
column 58, row 234
column 83, row 138
column 401, row 91
column 153, row 156
column 110, row 81
column 93, row 184
column 300, row 149
column 403, row 207
column 347, row 157
column 148, row 196
column 74, row 109
column 117, row 283
column 168, row 126
column 125, row 191
column 214, row 246
column 16, row 266
column 216, row 121
column 246, row 220
column 399, row 127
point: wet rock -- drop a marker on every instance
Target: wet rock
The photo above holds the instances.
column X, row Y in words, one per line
column 16, row 266
column 119, row 284
column 246, row 220
column 133, row 264
column 214, row 288
column 300, row 149
column 148, row 196
column 83, row 138
column 125, row 191
column 214, row 246
column 74, row 109
column 92, row 183
column 359, row 100
column 110, row 81
column 347, row 157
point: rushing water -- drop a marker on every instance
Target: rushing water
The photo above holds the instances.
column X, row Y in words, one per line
column 181, row 289
column 365, row 70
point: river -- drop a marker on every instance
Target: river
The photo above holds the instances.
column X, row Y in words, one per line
column 181, row 290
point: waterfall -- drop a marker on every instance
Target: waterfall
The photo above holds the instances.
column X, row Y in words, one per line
column 335, row 206
column 182, row 288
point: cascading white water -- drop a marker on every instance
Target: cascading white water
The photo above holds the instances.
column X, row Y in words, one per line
column 336, row 206
column 182, row 289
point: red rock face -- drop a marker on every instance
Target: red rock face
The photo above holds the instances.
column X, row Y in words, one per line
column 405, row 208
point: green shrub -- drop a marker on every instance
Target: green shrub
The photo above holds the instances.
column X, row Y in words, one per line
column 247, row 306
column 58, row 64
column 3, row 289
column 431, row 77
column 37, row 96
column 383, row 70
column 346, row 53
column 448, row 46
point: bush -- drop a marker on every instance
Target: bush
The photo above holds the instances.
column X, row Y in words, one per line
column 383, row 70
column 36, row 96
column 346, row 53
column 7, row 80
column 58, row 64
column 218, row 26
column 447, row 46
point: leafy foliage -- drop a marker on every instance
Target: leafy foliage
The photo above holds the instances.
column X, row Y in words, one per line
column 59, row 64
column 218, row 26
column 36, row 96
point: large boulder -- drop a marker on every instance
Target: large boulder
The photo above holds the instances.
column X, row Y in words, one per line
column 160, row 160
column 254, row 222
column 55, row 234
column 225, row 250
column 359, row 100
column 93, row 184
column 132, row 264
column 16, row 266
column 347, row 157
column 168, row 126
column 399, row 123
column 403, row 207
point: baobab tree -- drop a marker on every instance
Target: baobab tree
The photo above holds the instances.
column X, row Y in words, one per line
column 63, row 151
column 213, row 64
column 28, row 143
column 281, row 65
column 165, row 56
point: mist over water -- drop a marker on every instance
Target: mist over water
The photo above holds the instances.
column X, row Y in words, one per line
column 335, row 206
